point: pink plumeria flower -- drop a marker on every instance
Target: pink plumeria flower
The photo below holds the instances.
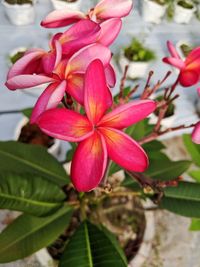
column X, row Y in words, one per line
column 107, row 12
column 196, row 134
column 67, row 77
column 189, row 68
column 38, row 61
column 100, row 135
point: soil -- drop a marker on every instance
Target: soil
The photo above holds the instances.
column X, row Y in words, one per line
column 31, row 134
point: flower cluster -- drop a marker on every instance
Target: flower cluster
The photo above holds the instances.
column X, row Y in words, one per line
column 78, row 72
column 189, row 74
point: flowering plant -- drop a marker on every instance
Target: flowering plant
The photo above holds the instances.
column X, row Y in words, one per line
column 108, row 134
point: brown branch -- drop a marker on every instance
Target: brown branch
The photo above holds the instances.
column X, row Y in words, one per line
column 123, row 80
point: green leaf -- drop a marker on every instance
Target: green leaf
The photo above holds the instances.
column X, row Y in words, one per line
column 29, row 193
column 114, row 168
column 28, row 234
column 70, row 152
column 21, row 158
column 195, row 225
column 140, row 129
column 183, row 199
column 153, row 146
column 162, row 168
column 27, row 112
column 91, row 246
column 195, row 175
column 192, row 148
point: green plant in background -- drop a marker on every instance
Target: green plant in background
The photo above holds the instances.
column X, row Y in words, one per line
column 138, row 53
column 189, row 4
column 19, row 2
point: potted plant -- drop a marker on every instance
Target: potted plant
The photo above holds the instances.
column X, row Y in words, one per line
column 69, row 4
column 154, row 10
column 184, row 11
column 138, row 58
column 20, row 12
column 93, row 215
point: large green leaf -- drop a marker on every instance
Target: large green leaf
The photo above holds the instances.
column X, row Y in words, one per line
column 195, row 174
column 195, row 225
column 29, row 193
column 18, row 157
column 92, row 247
column 183, row 199
column 28, row 234
column 162, row 168
column 140, row 129
column 192, row 148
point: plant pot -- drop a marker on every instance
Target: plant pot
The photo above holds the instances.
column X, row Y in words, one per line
column 136, row 69
column 54, row 149
column 20, row 14
column 183, row 15
column 59, row 4
column 153, row 12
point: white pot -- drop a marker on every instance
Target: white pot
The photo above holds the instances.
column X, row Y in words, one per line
column 58, row 4
column 20, row 14
column 153, row 12
column 136, row 69
column 53, row 150
column 183, row 15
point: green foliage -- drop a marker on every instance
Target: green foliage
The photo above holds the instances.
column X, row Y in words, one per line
column 27, row 112
column 186, row 4
column 195, row 225
column 70, row 152
column 138, row 53
column 16, row 56
column 91, row 246
column 140, row 129
column 195, row 175
column 28, row 234
column 162, row 168
column 183, row 199
column 29, row 193
column 22, row 158
column 19, row 2
column 193, row 149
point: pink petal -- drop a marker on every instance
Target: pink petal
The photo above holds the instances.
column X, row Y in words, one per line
column 75, row 87
column 81, row 60
column 81, row 34
column 21, row 65
column 89, row 163
column 198, row 90
column 61, row 18
column 27, row 81
column 124, row 151
column 65, row 124
column 61, row 68
column 175, row 62
column 196, row 134
column 107, row 9
column 48, row 62
column 172, row 50
column 188, row 78
column 110, row 75
column 109, row 31
column 50, row 98
column 193, row 56
column 96, row 91
column 128, row 114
